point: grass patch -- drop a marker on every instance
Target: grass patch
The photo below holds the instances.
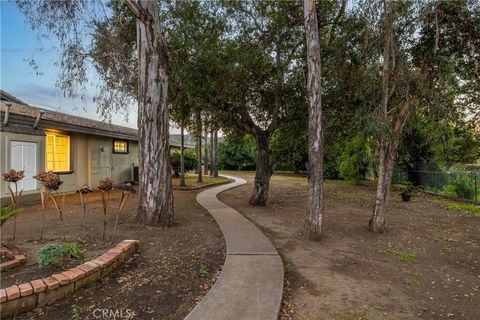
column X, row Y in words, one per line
column 76, row 312
column 415, row 274
column 470, row 208
column 407, row 257
column 202, row 270
column 460, row 207
column 447, row 249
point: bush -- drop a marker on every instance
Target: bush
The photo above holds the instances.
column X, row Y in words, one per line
column 237, row 154
column 57, row 254
column 407, row 191
column 354, row 160
column 190, row 161
column 7, row 213
column 462, row 188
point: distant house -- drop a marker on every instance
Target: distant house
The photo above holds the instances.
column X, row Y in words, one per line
column 81, row 150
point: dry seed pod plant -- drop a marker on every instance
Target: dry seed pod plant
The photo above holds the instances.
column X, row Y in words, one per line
column 127, row 190
column 50, row 182
column 85, row 189
column 14, row 176
column 105, row 186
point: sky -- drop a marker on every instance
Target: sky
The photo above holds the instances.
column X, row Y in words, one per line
column 19, row 44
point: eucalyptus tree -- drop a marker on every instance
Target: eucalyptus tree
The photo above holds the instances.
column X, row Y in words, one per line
column 71, row 23
column 426, row 63
column 315, row 203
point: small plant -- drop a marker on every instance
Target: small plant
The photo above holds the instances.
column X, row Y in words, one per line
column 7, row 213
column 202, row 270
column 462, row 188
column 447, row 249
column 14, row 176
column 105, row 186
column 57, row 254
column 407, row 257
column 76, row 312
column 407, row 191
column 82, row 192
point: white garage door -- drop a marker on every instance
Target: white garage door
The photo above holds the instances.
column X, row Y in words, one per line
column 24, row 157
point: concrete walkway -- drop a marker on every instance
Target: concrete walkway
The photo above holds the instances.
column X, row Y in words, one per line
column 250, row 286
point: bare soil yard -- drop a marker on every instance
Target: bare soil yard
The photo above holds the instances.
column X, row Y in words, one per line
column 426, row 266
column 172, row 272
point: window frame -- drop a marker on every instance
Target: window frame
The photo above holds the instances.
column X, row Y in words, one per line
column 120, row 140
column 70, row 150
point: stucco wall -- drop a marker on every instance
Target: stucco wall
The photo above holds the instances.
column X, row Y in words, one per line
column 92, row 160
column 5, row 154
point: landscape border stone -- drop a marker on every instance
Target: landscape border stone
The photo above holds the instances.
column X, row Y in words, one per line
column 18, row 299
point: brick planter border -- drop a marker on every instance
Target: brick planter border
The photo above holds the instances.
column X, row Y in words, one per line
column 17, row 258
column 27, row 296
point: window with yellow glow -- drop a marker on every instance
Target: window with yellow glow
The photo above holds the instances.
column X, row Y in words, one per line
column 120, row 146
column 57, row 152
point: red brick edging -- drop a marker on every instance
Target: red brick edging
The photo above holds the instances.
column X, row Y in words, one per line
column 27, row 296
column 17, row 258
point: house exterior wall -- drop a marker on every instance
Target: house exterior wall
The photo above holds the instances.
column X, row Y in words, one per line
column 92, row 159
column 5, row 141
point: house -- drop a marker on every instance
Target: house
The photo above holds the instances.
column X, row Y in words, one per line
column 80, row 150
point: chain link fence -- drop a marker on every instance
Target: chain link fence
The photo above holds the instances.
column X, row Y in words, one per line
column 461, row 184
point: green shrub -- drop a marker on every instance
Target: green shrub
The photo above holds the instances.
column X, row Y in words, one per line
column 406, row 192
column 57, row 254
column 190, row 161
column 354, row 160
column 461, row 188
column 7, row 213
column 237, row 153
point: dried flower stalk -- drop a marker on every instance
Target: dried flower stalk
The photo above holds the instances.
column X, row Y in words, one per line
column 105, row 186
column 50, row 181
column 14, row 176
column 85, row 189
column 127, row 189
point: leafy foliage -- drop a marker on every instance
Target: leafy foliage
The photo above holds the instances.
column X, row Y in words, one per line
column 237, row 153
column 355, row 159
column 7, row 213
column 407, row 190
column 462, row 188
column 57, row 254
column 190, row 161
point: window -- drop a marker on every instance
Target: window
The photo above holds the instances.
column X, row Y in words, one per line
column 120, row 146
column 57, row 152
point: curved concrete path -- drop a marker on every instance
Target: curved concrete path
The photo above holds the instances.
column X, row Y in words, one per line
column 250, row 286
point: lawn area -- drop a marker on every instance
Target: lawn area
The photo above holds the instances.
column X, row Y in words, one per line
column 426, row 266
column 172, row 272
column 191, row 181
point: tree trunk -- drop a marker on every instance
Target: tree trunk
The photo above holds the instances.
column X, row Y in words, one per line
column 199, row 148
column 182, row 157
column 156, row 197
column 197, row 154
column 215, row 154
column 205, row 159
column 377, row 221
column 388, row 148
column 199, row 165
column 385, row 172
column 211, row 155
column 314, row 214
column 263, row 173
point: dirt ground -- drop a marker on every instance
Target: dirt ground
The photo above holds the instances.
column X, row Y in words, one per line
column 426, row 266
column 174, row 269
